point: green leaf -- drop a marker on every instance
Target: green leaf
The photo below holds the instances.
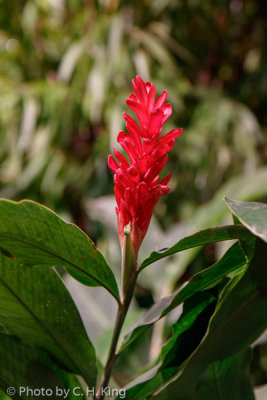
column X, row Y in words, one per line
column 227, row 379
column 187, row 333
column 252, row 215
column 231, row 261
column 239, row 319
column 190, row 328
column 210, row 235
column 24, row 367
column 246, row 187
column 4, row 396
column 36, row 307
column 35, row 235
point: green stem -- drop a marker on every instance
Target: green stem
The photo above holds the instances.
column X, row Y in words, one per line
column 112, row 351
column 120, row 318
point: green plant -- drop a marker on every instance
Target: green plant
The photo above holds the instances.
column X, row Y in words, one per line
column 42, row 335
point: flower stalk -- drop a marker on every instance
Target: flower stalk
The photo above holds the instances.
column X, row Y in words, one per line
column 138, row 187
column 128, row 284
column 129, row 263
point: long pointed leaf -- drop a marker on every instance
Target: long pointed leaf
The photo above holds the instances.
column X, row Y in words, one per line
column 232, row 260
column 240, row 318
column 186, row 333
column 210, row 235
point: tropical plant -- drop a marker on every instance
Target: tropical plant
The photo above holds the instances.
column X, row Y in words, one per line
column 43, row 339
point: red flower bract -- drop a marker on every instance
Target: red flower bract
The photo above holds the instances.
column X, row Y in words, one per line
column 137, row 186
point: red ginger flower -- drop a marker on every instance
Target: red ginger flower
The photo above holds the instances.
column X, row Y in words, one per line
column 137, row 186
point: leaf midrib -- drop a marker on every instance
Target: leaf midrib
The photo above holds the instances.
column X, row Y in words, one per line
column 30, row 244
column 44, row 328
column 217, row 383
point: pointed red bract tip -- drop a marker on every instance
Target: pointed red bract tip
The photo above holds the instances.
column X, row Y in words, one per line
column 137, row 186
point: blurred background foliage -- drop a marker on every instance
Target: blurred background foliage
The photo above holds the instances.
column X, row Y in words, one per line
column 65, row 72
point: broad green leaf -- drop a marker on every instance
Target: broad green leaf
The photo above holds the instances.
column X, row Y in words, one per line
column 210, row 235
column 227, row 379
column 35, row 235
column 24, row 369
column 36, row 307
column 239, row 319
column 231, row 261
column 252, row 215
column 187, row 334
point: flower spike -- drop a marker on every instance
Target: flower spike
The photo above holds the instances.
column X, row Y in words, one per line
column 137, row 186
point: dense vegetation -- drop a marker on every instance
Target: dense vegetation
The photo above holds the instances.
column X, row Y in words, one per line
column 65, row 72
